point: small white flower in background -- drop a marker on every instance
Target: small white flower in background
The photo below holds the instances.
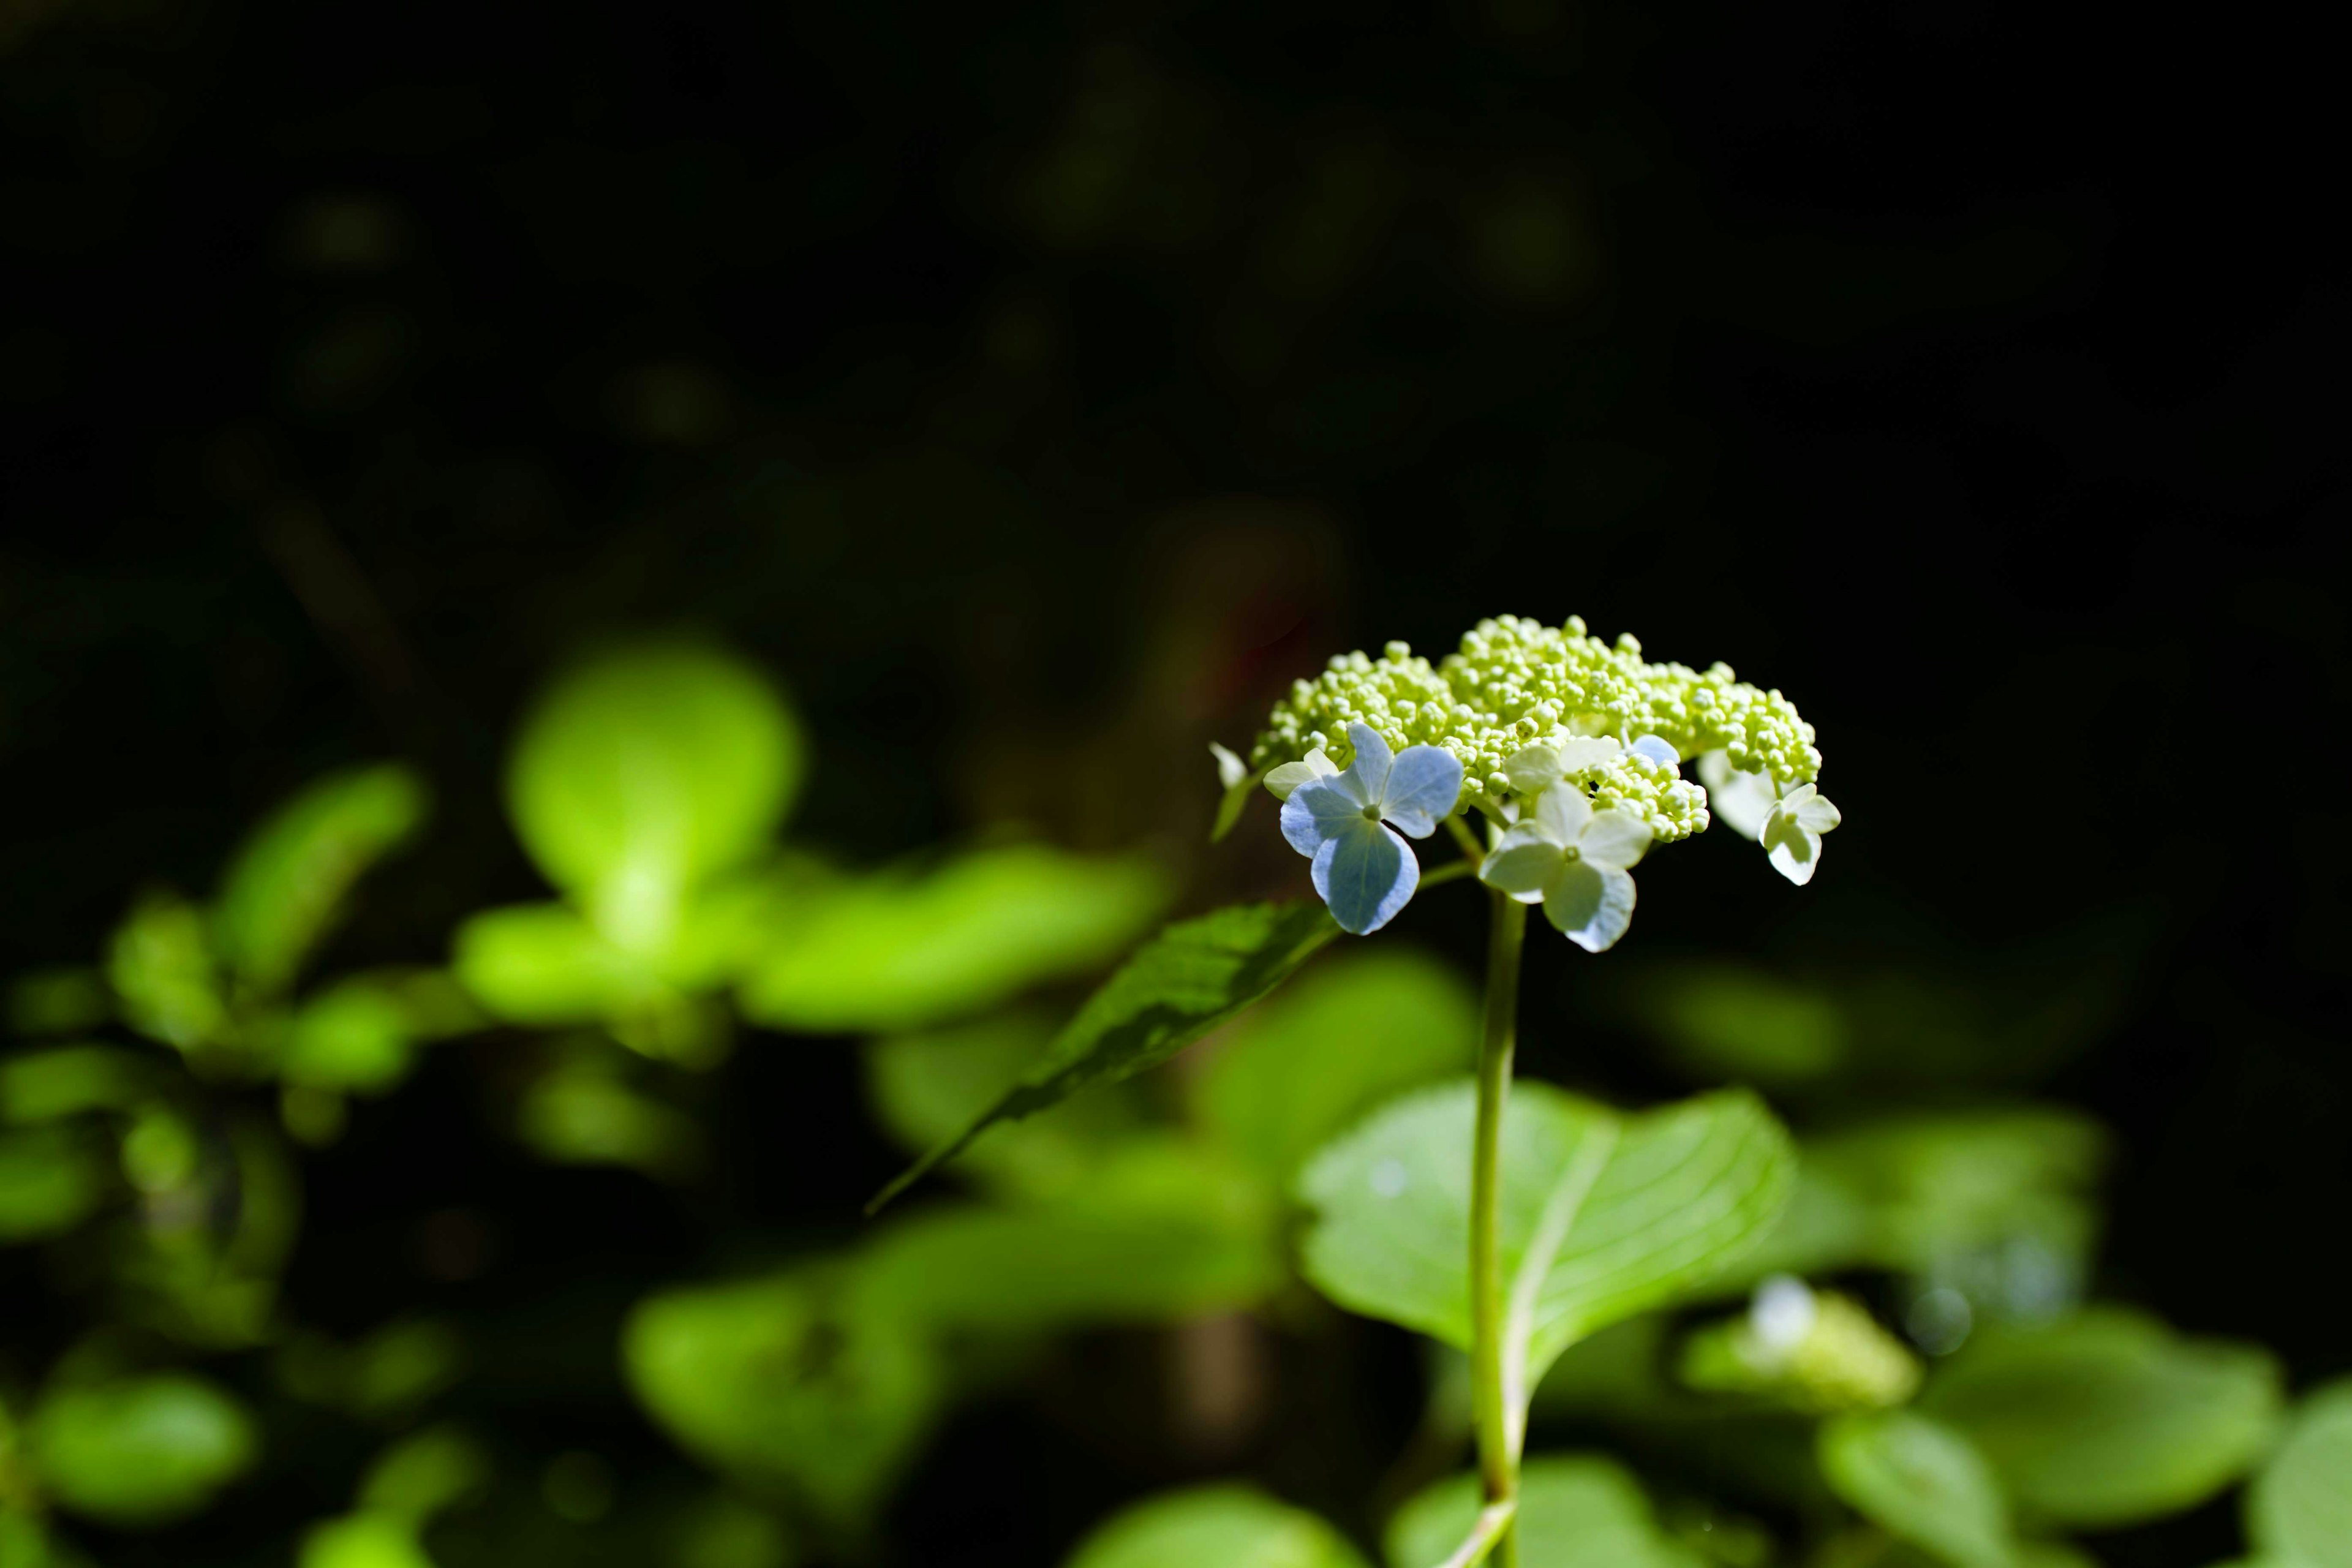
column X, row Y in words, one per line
column 1780, row 1317
column 1340, row 821
column 1793, row 829
column 1736, row 798
column 1290, row 775
column 1234, row 776
column 1573, row 859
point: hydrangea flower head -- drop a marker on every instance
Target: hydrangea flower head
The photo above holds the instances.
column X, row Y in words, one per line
column 1346, row 822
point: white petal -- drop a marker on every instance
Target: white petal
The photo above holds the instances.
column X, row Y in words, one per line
column 1522, row 863
column 1795, row 852
column 1587, row 751
column 1423, row 785
column 1373, row 759
column 1561, row 812
column 1534, row 768
column 1818, row 816
column 1590, row 905
column 1290, row 775
column 1739, row 800
column 1615, row 839
column 1231, row 769
column 1796, row 795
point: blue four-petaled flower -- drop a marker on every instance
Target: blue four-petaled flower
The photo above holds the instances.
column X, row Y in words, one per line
column 1364, row 871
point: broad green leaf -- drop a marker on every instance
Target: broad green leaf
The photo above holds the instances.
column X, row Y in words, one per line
column 1226, row 1526
column 1922, row 1481
column 70, row 1081
column 160, row 963
column 364, row 1541
column 1354, row 1035
column 1602, row 1214
column 1178, row 986
column 645, row 772
column 926, row 1087
column 2107, row 1417
column 140, row 1451
column 51, row 1179
column 544, row 966
column 775, row 1380
column 1576, row 1510
column 906, row 953
column 2300, row 1508
column 1158, row 1234
column 286, row 885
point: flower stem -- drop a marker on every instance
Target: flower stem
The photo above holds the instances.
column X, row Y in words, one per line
column 1498, row 1466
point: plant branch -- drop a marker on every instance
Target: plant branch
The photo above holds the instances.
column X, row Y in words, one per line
column 1490, row 1398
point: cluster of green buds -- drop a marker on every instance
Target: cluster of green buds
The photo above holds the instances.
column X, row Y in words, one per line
column 1570, row 747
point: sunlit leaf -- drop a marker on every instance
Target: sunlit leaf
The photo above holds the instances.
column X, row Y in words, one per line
column 1360, row 1030
column 70, row 1081
column 51, row 1179
column 1602, row 1214
column 2108, row 1418
column 361, row 1034
column 1229, row 1526
column 2300, row 1507
column 1576, row 1510
column 160, row 963
column 544, row 966
column 775, row 1381
column 140, row 1451
column 1922, row 1481
column 364, row 1541
column 1181, row 984
column 645, row 772
column 924, row 1088
column 1160, row 1234
column 906, row 952
column 286, row 885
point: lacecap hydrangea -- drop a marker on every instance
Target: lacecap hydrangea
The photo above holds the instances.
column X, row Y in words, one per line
column 1525, row 709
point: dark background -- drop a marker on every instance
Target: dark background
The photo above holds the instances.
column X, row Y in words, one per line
column 1037, row 389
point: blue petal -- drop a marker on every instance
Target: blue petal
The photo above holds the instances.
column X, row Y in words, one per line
column 1318, row 811
column 1658, row 748
column 1424, row 785
column 1370, row 770
column 1365, row 874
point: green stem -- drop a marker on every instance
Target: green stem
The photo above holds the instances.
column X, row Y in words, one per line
column 1498, row 1466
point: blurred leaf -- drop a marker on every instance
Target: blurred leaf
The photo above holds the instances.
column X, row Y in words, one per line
column 142, row 1451
column 1731, row 1021
column 1160, row 1234
column 1181, row 984
column 722, row 1531
column 25, row 1543
column 385, row 1377
column 361, row 1034
column 420, row 1476
column 63, row 1001
column 544, row 966
column 69, row 1080
column 1227, row 1526
column 1613, row 1213
column 645, row 772
column 51, row 1179
column 1576, row 1510
column 1834, row 1358
column 285, row 887
column 583, row 1114
column 923, row 1087
column 773, row 1380
column 1921, row 1480
column 2108, row 1418
column 160, row 963
column 1357, row 1033
column 2300, row 1508
column 364, row 1541
column 896, row 953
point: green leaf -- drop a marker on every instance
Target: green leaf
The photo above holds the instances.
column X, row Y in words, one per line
column 1357, row 1033
column 1226, row 1526
column 361, row 1034
column 423, row 1474
column 1576, row 1510
column 1602, row 1216
column 1158, row 1234
column 906, row 953
column 72, row 1080
column 1182, row 983
column 2300, row 1508
column 643, row 773
column 364, row 1541
column 141, row 1451
column 2107, row 1417
column 61, row 1000
column 586, row 1112
column 926, row 1087
column 160, row 963
column 778, row 1383
column 545, row 967
column 51, row 1179
column 286, row 885
column 1922, row 1481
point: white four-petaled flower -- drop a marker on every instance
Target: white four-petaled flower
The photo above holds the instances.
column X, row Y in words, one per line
column 1341, row 821
column 1573, row 859
column 1793, row 829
